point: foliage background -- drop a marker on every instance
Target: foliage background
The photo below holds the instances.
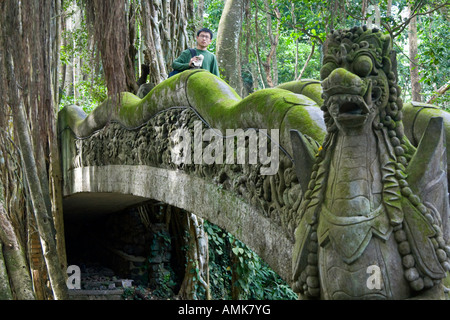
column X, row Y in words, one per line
column 303, row 23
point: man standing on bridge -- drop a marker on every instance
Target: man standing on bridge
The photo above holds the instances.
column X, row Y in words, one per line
column 202, row 59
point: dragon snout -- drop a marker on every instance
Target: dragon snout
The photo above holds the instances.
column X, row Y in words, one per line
column 342, row 81
column 349, row 98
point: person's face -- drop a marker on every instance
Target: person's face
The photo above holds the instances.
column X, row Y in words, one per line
column 204, row 39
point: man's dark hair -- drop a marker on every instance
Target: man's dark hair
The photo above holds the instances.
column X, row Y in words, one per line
column 205, row 30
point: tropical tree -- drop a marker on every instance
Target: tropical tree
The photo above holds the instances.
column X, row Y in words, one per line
column 28, row 108
column 227, row 47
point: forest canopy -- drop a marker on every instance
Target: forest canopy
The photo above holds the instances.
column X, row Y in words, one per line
column 278, row 41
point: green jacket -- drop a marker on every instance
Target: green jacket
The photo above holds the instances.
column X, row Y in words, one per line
column 209, row 62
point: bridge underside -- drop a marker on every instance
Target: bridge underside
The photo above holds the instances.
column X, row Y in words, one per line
column 92, row 191
column 85, row 204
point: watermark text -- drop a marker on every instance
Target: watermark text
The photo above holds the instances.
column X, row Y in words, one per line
column 232, row 151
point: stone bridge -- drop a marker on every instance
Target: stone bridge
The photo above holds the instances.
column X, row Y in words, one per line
column 181, row 145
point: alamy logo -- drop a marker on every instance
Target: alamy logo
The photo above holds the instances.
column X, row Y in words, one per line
column 374, row 280
column 234, row 153
column 74, row 279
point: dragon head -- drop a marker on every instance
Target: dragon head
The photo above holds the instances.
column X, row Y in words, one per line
column 357, row 80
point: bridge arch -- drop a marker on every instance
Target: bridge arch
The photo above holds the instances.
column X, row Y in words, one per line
column 115, row 158
column 98, row 190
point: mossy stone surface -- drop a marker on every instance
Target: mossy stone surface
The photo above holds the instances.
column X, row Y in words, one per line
column 216, row 102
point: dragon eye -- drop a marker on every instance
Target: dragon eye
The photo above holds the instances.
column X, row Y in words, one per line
column 363, row 66
column 326, row 69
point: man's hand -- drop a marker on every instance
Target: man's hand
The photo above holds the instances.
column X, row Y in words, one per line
column 191, row 62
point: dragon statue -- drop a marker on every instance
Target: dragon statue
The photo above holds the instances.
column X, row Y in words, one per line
column 373, row 201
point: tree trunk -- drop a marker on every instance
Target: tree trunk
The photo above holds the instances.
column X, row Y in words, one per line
column 43, row 219
column 414, row 67
column 236, row 290
column 37, row 264
column 294, row 23
column 200, row 10
column 106, row 21
column 273, row 38
column 255, row 74
column 26, row 56
column 130, row 54
column 56, row 193
column 441, row 91
column 389, row 8
column 56, row 44
column 155, row 22
column 165, row 34
column 275, row 69
column 307, row 61
column 5, row 289
column 150, row 50
column 259, row 63
column 197, row 258
column 15, row 260
column 227, row 47
column 43, row 216
column 54, row 177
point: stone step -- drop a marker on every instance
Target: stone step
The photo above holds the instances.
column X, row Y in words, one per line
column 115, row 294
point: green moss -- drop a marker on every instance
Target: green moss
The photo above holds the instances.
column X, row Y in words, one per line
column 416, row 117
column 216, row 102
column 446, row 283
column 305, row 120
column 310, row 88
column 70, row 116
column 129, row 106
